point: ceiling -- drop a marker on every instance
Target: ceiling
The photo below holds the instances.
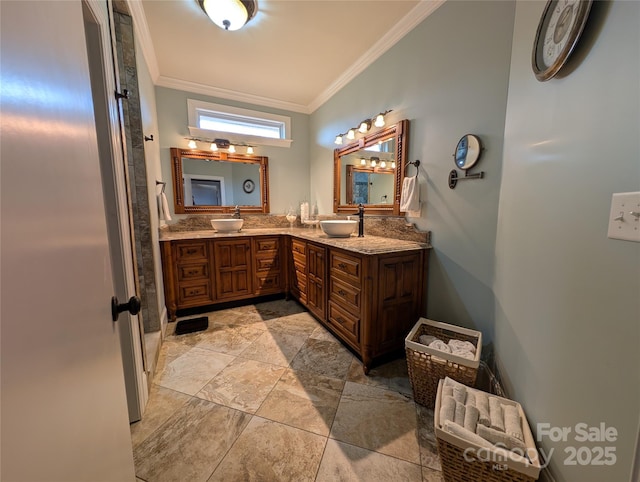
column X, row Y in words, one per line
column 293, row 55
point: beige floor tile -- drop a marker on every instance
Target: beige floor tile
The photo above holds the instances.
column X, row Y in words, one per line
column 190, row 372
column 270, row 451
column 277, row 347
column 324, row 358
column 392, row 375
column 229, row 339
column 429, row 475
column 162, row 404
column 190, row 444
column 243, row 384
column 377, row 419
column 344, row 462
column 301, row 323
column 304, row 400
column 427, row 439
column 321, row 333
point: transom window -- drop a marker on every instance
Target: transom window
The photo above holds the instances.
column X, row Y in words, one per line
column 238, row 124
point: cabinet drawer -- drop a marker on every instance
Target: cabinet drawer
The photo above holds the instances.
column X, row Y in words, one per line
column 345, row 266
column 346, row 323
column 191, row 251
column 299, row 247
column 345, row 295
column 266, row 244
column 189, row 272
column 267, row 263
column 194, row 293
column 271, row 283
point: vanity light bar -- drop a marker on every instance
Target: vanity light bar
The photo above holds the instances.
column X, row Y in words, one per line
column 364, row 127
column 217, row 144
column 377, row 162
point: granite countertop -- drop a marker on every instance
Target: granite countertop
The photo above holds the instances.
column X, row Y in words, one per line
column 365, row 245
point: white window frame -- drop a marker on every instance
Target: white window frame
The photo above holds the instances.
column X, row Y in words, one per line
column 188, row 194
column 197, row 107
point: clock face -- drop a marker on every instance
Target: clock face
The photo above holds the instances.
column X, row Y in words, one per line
column 248, row 186
column 558, row 31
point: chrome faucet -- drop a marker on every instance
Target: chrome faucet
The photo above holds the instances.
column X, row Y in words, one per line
column 361, row 220
column 236, row 212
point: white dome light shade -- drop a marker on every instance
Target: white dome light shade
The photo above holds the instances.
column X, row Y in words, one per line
column 229, row 14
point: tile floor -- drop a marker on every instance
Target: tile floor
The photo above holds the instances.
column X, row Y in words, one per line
column 267, row 394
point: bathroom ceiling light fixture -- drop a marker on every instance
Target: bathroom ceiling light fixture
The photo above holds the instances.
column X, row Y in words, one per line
column 229, row 14
column 364, row 127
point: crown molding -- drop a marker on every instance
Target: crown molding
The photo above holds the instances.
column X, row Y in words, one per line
column 144, row 37
column 203, row 89
column 393, row 36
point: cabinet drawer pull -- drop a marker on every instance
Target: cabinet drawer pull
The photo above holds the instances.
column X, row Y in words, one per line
column 342, row 292
column 342, row 266
column 192, row 251
column 340, row 320
column 192, row 272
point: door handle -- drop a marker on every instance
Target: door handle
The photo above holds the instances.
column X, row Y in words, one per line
column 133, row 306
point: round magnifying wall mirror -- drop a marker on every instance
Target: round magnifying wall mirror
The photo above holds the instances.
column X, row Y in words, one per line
column 467, row 151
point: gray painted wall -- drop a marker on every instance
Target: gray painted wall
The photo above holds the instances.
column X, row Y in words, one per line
column 288, row 167
column 449, row 77
column 568, row 298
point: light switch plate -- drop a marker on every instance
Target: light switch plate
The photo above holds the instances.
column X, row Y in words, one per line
column 624, row 219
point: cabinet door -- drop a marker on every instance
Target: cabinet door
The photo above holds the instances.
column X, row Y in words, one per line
column 399, row 299
column 232, row 261
column 316, row 275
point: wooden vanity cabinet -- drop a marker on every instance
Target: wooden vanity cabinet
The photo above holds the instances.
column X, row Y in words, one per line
column 345, row 296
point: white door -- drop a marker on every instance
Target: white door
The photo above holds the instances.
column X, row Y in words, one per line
column 64, row 411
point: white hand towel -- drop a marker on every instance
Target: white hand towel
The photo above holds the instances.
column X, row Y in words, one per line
column 495, row 414
column 459, row 394
column 500, row 438
column 512, row 425
column 465, row 434
column 447, row 409
column 410, row 196
column 462, row 345
column 482, row 404
column 163, row 207
column 459, row 414
column 471, row 418
column 440, row 345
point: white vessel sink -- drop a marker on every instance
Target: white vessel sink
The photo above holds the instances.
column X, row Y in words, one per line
column 227, row 225
column 338, row 228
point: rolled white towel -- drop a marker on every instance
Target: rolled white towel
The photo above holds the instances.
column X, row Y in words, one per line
column 512, row 424
column 470, row 418
column 460, row 394
column 440, row 345
column 459, row 415
column 462, row 353
column 495, row 414
column 482, row 404
column 462, row 345
column 471, row 399
column 500, row 438
column 465, row 434
column 427, row 339
column 447, row 391
column 447, row 409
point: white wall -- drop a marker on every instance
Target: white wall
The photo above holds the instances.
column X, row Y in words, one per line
column 568, row 298
column 154, row 172
column 288, row 167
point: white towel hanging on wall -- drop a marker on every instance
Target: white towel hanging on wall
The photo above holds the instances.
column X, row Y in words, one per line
column 163, row 207
column 410, row 196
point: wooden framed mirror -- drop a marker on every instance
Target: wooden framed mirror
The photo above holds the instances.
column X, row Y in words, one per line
column 364, row 172
column 215, row 182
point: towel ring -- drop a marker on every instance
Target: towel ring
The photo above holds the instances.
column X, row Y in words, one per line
column 414, row 163
column 164, row 184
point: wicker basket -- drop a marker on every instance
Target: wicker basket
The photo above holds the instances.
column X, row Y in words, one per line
column 426, row 366
column 463, row 461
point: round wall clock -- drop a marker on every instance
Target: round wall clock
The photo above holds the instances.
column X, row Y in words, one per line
column 558, row 32
column 248, row 186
